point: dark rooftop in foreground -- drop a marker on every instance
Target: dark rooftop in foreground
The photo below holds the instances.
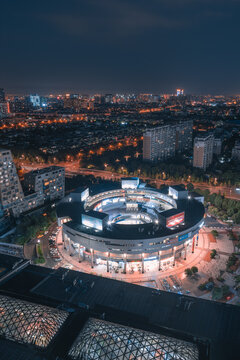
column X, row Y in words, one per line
column 211, row 327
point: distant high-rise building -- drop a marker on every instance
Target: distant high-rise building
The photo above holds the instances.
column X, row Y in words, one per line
column 179, row 92
column 236, row 151
column 3, row 104
column 4, row 110
column 203, row 151
column 35, row 100
column 164, row 141
column 2, row 95
column 108, row 98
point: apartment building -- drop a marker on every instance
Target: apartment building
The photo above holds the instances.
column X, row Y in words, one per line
column 203, row 151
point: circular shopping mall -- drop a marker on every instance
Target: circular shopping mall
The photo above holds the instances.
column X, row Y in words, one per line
column 130, row 224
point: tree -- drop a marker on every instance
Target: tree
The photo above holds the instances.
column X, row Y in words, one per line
column 213, row 253
column 218, row 201
column 214, row 233
column 190, row 187
column 236, row 217
column 188, row 272
column 194, row 269
column 217, row 293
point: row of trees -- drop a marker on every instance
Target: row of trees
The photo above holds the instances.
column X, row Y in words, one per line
column 128, row 160
column 221, row 207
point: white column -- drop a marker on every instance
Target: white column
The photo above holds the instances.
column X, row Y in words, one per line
column 108, row 262
column 159, row 260
column 142, row 263
column 174, row 254
column 92, row 253
column 125, row 264
column 79, row 253
column 69, row 247
column 185, row 251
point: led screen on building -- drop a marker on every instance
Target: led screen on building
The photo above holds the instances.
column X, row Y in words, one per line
column 175, row 220
column 92, row 222
column 85, row 194
column 130, row 183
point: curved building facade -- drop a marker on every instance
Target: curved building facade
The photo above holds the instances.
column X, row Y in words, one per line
column 128, row 224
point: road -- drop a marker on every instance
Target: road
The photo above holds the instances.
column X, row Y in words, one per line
column 72, row 168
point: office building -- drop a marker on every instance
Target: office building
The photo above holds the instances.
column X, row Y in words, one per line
column 48, row 182
column 203, row 151
column 236, row 151
column 163, row 142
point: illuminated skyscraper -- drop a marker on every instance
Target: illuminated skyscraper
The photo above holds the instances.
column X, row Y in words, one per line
column 179, row 92
column 35, row 100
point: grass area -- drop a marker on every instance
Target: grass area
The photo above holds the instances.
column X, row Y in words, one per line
column 40, row 258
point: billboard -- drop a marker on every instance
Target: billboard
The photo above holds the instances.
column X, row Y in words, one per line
column 92, row 222
column 175, row 220
column 85, row 194
column 130, row 183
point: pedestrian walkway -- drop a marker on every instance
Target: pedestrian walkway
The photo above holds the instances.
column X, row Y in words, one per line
column 136, row 277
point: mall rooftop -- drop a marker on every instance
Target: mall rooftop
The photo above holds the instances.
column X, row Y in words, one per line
column 73, row 206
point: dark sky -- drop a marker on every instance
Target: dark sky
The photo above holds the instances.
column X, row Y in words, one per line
column 93, row 46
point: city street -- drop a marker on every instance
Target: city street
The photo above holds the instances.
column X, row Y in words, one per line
column 72, row 168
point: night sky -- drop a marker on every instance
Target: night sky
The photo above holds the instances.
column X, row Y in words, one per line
column 90, row 46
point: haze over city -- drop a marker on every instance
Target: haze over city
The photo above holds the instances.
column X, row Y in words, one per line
column 119, row 180
column 120, row 46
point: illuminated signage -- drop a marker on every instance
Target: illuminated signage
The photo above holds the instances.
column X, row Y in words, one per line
column 92, row 222
column 85, row 194
column 130, row 183
column 183, row 237
column 175, row 220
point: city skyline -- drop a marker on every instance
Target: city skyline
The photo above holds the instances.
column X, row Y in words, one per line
column 132, row 46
